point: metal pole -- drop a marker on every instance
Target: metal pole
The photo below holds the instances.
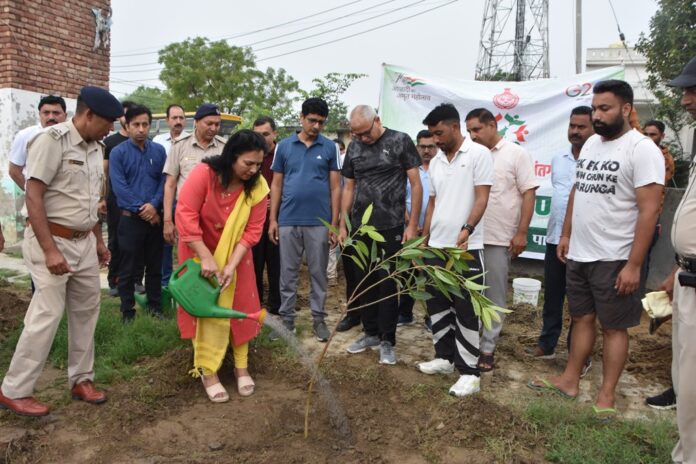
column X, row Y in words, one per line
column 578, row 36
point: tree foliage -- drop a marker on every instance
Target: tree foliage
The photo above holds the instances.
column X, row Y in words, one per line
column 331, row 88
column 152, row 97
column 670, row 44
column 198, row 70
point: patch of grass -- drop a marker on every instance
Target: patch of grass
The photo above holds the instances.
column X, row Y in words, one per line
column 424, row 391
column 119, row 349
column 574, row 435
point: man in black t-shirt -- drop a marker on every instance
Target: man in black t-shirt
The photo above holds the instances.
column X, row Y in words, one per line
column 377, row 164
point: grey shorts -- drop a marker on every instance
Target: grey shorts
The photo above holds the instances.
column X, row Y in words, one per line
column 591, row 290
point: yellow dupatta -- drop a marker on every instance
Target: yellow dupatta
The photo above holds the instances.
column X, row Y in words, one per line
column 213, row 334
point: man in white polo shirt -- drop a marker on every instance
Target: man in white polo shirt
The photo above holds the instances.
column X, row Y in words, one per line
column 51, row 112
column 507, row 217
column 461, row 175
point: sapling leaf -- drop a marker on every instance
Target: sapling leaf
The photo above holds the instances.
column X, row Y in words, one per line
column 366, row 215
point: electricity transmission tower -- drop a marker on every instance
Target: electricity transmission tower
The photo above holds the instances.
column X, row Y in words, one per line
column 514, row 41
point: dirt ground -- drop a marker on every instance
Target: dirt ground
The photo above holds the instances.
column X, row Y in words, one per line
column 395, row 414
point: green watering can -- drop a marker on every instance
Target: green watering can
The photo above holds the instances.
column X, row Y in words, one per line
column 167, row 301
column 198, row 296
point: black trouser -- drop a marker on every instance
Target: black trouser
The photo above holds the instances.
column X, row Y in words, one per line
column 267, row 254
column 351, row 272
column 138, row 241
column 378, row 317
column 113, row 216
column 455, row 324
column 554, row 297
column 406, row 305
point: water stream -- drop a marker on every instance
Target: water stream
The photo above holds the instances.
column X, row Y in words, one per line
column 337, row 415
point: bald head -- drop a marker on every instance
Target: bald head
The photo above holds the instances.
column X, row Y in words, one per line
column 365, row 125
column 364, row 112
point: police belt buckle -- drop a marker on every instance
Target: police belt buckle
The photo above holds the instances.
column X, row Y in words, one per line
column 688, row 264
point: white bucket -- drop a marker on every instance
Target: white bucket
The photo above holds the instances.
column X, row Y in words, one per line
column 525, row 291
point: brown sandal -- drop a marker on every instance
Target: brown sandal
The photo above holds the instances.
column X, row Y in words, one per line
column 486, row 362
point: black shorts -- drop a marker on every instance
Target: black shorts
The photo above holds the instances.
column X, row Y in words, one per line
column 591, row 290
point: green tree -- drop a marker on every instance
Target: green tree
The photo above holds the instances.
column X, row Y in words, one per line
column 152, row 97
column 670, row 44
column 198, row 70
column 331, row 88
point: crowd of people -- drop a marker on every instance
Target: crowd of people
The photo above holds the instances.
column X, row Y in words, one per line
column 252, row 203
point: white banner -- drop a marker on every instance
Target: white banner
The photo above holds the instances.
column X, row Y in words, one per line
column 533, row 114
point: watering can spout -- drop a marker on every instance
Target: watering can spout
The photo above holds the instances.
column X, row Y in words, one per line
column 198, row 296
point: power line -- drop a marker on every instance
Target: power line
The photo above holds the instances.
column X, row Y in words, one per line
column 136, row 70
column 340, row 27
column 331, row 20
column 357, row 33
column 275, row 26
column 334, row 29
column 320, row 24
column 630, row 58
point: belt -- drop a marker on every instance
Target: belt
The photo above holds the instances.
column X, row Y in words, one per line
column 65, row 232
column 688, row 264
column 126, row 213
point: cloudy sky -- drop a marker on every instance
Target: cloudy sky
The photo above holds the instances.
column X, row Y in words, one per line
column 430, row 36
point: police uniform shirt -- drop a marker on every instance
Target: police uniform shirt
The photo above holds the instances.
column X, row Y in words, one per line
column 186, row 153
column 684, row 225
column 73, row 172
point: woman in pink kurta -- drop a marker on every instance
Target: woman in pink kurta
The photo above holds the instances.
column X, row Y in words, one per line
column 205, row 201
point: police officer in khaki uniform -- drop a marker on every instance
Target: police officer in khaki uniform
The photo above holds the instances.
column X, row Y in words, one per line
column 63, row 249
column 681, row 287
column 186, row 152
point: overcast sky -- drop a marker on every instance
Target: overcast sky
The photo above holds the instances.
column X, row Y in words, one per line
column 444, row 41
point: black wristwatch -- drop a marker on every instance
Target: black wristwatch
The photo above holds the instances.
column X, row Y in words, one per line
column 469, row 227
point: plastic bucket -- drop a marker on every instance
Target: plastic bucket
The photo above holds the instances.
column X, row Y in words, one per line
column 525, row 291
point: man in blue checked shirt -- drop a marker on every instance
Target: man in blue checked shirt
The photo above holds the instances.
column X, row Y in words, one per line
column 135, row 169
column 562, row 178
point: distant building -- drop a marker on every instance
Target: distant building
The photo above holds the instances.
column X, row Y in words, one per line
column 636, row 75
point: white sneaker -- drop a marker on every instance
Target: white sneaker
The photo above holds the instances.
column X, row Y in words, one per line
column 466, row 385
column 436, row 366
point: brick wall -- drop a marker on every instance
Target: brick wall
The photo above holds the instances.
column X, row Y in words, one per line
column 46, row 46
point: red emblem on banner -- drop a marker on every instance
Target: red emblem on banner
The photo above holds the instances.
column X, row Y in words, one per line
column 506, row 100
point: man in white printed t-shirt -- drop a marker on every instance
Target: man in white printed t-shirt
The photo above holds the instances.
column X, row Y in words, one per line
column 609, row 223
column 461, row 175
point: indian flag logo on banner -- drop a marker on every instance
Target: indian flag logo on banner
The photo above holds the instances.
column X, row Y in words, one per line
column 413, row 81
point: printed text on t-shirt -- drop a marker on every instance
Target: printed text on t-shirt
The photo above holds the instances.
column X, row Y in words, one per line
column 597, row 176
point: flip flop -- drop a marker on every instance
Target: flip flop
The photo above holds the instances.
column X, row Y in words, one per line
column 605, row 415
column 214, row 390
column 245, row 385
column 486, row 362
column 548, row 387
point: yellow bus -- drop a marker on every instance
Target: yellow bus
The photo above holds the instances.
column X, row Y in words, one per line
column 159, row 123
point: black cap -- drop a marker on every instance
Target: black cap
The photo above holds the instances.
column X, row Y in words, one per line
column 687, row 78
column 101, row 102
column 206, row 109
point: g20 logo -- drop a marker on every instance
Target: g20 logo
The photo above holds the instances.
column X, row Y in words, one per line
column 578, row 90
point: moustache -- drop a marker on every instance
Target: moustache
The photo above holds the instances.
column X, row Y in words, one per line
column 54, row 121
column 178, row 126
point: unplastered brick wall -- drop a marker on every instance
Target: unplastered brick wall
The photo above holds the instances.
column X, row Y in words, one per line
column 46, row 46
